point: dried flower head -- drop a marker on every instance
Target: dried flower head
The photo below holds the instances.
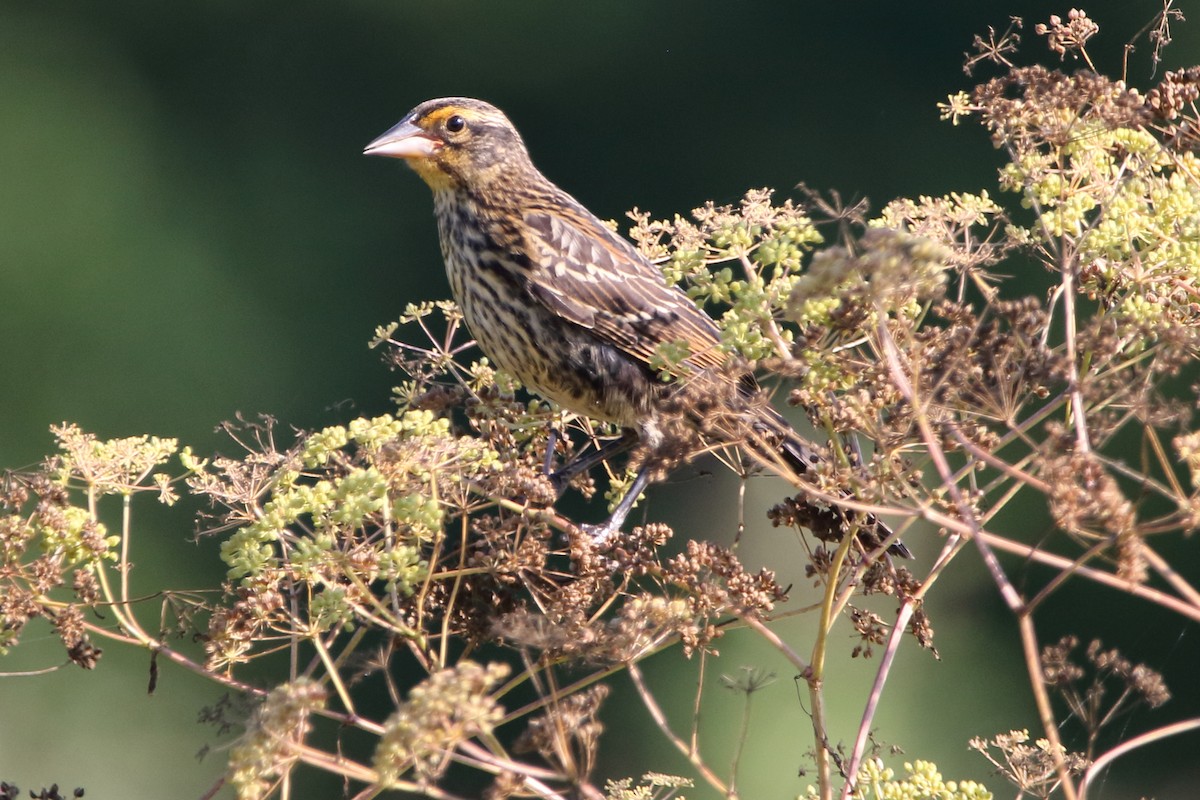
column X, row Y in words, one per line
column 448, row 707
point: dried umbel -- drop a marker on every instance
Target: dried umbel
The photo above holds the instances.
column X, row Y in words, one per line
column 274, row 737
column 1034, row 109
column 1069, row 36
column 1175, row 94
column 448, row 707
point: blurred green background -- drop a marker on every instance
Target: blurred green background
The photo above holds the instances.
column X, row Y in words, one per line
column 188, row 231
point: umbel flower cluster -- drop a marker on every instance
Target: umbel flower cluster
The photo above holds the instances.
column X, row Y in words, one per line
column 957, row 356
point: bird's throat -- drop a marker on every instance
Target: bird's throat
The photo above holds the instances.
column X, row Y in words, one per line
column 434, row 176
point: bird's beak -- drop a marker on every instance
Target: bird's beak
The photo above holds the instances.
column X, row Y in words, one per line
column 405, row 140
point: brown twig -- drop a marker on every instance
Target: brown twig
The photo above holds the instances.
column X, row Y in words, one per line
column 660, row 719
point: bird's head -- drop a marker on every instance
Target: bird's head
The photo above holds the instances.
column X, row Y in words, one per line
column 454, row 142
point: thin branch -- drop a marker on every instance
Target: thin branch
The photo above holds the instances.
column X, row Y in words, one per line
column 1172, row 577
column 1007, row 590
column 1158, row 734
column 881, row 675
column 660, row 719
column 1099, row 576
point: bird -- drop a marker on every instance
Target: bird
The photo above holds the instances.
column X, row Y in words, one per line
column 562, row 302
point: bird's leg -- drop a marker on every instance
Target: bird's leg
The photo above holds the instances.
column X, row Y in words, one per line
column 584, row 463
column 551, row 442
column 600, row 533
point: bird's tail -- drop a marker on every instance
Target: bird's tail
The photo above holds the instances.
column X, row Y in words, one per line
column 774, row 441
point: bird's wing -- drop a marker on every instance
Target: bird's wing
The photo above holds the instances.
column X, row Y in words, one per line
column 586, row 273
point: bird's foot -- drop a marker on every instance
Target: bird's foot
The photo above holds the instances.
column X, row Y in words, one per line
column 561, row 479
column 559, row 482
column 602, row 533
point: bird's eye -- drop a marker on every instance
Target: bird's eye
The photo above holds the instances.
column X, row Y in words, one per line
column 456, row 124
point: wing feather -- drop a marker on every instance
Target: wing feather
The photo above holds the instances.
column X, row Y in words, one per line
column 586, row 273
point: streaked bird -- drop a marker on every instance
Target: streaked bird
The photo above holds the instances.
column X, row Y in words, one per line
column 568, row 307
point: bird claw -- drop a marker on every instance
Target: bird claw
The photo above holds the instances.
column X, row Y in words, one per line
column 602, row 533
column 559, row 482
